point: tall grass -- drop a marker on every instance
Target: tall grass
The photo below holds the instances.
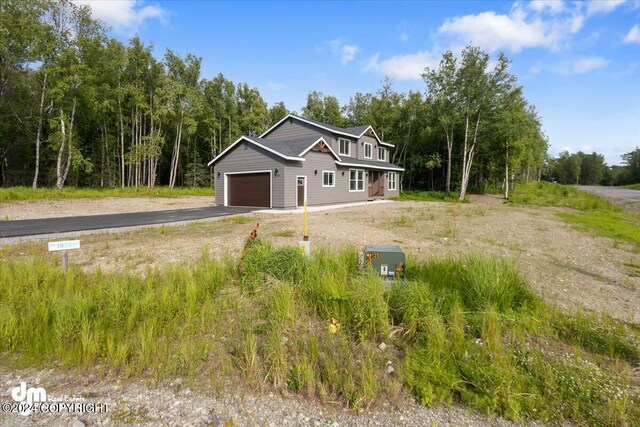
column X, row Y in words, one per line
column 457, row 330
column 593, row 213
column 27, row 193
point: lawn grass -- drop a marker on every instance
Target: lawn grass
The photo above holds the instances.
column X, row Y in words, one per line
column 592, row 213
column 633, row 186
column 425, row 196
column 28, row 193
column 464, row 330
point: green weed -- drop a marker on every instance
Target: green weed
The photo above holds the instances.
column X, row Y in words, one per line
column 465, row 330
column 28, row 193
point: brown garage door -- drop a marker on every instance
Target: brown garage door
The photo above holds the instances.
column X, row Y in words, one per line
column 249, row 189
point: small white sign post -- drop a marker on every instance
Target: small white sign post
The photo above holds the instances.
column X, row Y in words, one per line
column 64, row 246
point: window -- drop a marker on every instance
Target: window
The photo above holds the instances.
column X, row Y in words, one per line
column 368, row 151
column 382, row 154
column 345, row 147
column 392, row 181
column 328, row 179
column 356, row 180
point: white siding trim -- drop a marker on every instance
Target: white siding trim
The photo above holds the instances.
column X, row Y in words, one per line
column 245, row 138
column 384, row 168
column 226, row 185
column 314, row 144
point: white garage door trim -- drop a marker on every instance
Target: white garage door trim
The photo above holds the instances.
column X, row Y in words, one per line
column 226, row 184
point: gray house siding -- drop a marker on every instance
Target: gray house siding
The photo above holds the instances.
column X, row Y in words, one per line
column 297, row 129
column 245, row 158
column 316, row 193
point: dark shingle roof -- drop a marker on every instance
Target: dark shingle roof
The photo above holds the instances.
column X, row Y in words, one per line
column 287, row 147
column 355, row 130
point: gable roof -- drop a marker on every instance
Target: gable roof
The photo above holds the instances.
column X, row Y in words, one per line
column 288, row 149
column 281, row 148
column 354, row 132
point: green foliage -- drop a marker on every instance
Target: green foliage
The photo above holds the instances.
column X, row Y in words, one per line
column 596, row 214
column 457, row 330
column 27, row 193
column 633, row 187
column 423, row 196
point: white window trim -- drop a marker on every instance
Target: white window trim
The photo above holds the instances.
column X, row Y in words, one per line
column 226, row 184
column 333, row 173
column 370, row 152
column 385, row 154
column 395, row 181
column 363, row 179
column 348, row 145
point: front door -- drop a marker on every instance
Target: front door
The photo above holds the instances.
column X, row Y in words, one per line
column 380, row 184
column 301, row 191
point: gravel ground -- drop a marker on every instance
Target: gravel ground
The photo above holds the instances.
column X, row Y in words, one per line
column 32, row 209
column 136, row 403
column 569, row 268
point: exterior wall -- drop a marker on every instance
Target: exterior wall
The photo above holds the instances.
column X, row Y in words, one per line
column 395, row 193
column 316, row 193
column 297, row 129
column 246, row 157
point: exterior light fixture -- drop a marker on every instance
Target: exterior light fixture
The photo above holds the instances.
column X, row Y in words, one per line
column 315, row 172
column 275, row 171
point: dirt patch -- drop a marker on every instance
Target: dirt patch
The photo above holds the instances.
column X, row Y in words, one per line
column 567, row 267
column 33, row 209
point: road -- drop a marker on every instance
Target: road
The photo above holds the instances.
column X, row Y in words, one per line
column 621, row 196
column 30, row 227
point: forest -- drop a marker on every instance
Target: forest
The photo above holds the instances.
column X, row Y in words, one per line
column 79, row 108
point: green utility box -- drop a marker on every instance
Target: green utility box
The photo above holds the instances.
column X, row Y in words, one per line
column 388, row 261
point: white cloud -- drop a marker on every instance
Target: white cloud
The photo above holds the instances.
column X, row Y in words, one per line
column 403, row 67
column 552, row 6
column 603, row 6
column 587, row 149
column 123, row 15
column 539, row 24
column 582, row 65
column 346, row 52
column 633, row 36
column 404, row 36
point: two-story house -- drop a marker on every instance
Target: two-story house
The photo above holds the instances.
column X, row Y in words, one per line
column 299, row 160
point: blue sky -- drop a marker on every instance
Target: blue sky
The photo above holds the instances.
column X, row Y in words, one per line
column 579, row 62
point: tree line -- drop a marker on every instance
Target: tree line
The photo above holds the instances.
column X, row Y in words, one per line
column 589, row 169
column 80, row 108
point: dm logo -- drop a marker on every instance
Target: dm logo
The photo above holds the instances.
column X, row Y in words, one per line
column 29, row 396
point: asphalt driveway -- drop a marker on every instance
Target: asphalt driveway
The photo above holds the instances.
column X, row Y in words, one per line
column 30, row 227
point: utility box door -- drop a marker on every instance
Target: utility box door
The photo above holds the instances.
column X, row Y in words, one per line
column 388, row 261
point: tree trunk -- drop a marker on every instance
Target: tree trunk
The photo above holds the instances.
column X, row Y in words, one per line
column 506, row 172
column 121, row 145
column 467, row 156
column 176, row 152
column 39, row 132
